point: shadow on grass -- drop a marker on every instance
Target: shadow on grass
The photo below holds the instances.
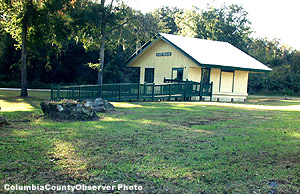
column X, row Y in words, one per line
column 165, row 147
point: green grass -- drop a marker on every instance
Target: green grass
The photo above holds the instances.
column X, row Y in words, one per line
column 166, row 147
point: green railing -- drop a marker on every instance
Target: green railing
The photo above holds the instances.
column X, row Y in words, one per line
column 133, row 91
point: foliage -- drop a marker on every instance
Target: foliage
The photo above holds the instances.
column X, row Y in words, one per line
column 229, row 24
column 166, row 17
column 284, row 79
column 64, row 41
column 33, row 25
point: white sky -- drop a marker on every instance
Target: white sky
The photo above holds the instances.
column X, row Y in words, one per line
column 270, row 18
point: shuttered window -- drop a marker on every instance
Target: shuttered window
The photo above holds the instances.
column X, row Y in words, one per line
column 226, row 83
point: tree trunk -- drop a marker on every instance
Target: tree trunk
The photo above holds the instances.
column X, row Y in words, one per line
column 102, row 48
column 23, row 61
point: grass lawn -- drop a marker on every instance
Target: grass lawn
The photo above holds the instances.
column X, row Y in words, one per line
column 166, row 147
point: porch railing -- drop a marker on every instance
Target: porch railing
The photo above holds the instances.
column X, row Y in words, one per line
column 133, row 91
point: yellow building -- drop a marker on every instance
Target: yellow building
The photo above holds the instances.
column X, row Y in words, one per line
column 193, row 59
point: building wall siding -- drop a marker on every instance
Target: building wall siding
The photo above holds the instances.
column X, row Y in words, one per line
column 240, row 82
column 215, row 78
column 163, row 69
column 163, row 64
column 194, row 74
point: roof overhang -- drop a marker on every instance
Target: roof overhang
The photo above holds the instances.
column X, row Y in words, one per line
column 140, row 51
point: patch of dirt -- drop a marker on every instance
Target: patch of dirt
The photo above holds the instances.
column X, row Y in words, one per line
column 21, row 121
column 59, row 120
column 202, row 121
column 122, row 112
column 263, row 100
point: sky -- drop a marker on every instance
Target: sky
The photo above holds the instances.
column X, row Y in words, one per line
column 270, row 18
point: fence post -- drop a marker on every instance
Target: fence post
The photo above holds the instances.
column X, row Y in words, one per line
column 100, row 92
column 185, row 91
column 138, row 91
column 79, row 90
column 58, row 92
column 119, row 92
column 153, row 88
column 169, row 92
column 200, row 91
column 51, row 91
column 211, row 91
column 73, row 95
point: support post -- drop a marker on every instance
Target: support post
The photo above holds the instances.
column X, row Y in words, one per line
column 58, row 92
column 138, row 91
column 211, row 90
column 153, row 91
column 119, row 92
column 73, row 95
column 79, row 92
column 169, row 92
column 185, row 91
column 200, row 91
column 51, row 91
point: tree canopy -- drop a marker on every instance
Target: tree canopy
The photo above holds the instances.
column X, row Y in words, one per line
column 88, row 42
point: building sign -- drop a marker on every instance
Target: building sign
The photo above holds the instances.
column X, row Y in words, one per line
column 163, row 54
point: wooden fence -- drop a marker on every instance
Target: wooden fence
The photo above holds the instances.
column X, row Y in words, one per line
column 133, row 91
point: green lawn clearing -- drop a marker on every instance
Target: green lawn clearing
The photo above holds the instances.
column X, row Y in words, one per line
column 165, row 147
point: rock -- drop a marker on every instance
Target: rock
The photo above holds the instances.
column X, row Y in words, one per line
column 68, row 110
column 3, row 121
column 100, row 109
column 60, row 108
column 99, row 105
column 109, row 106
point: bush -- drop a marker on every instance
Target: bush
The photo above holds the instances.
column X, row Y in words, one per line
column 10, row 84
column 39, row 85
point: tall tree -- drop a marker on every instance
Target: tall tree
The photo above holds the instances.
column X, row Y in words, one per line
column 227, row 23
column 17, row 17
column 23, row 19
column 98, row 20
column 166, row 18
column 187, row 22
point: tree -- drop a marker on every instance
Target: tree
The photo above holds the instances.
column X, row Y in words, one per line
column 17, row 17
column 187, row 22
column 23, row 19
column 128, row 39
column 97, row 22
column 166, row 17
column 229, row 24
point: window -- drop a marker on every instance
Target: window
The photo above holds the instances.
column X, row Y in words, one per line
column 177, row 74
column 149, row 75
column 205, row 77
